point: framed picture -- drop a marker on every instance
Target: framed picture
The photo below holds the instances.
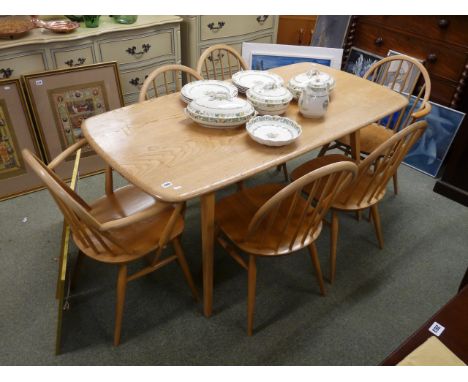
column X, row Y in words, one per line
column 267, row 56
column 410, row 78
column 428, row 154
column 62, row 99
column 359, row 61
column 16, row 133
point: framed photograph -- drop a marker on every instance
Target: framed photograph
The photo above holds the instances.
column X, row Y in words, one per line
column 62, row 99
column 267, row 56
column 410, row 79
column 428, row 154
column 359, row 61
column 16, row 133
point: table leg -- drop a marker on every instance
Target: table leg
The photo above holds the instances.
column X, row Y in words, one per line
column 356, row 146
column 207, row 224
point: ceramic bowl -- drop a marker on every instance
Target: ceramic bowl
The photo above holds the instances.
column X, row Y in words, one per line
column 271, row 99
column 299, row 82
column 246, row 79
column 219, row 110
column 272, row 130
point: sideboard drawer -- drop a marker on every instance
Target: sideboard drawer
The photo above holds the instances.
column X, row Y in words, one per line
column 22, row 64
column 439, row 60
column 213, row 27
column 132, row 80
column 131, row 50
column 69, row 57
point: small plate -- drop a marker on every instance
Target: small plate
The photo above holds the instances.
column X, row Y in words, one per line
column 60, row 26
column 196, row 89
column 246, row 79
column 273, row 130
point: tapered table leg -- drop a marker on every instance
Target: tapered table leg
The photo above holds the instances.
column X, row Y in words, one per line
column 207, row 226
column 356, row 146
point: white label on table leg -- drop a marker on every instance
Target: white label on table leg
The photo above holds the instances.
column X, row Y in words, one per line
column 436, row 329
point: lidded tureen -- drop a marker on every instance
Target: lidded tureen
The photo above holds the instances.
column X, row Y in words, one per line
column 220, row 110
column 270, row 98
column 299, row 82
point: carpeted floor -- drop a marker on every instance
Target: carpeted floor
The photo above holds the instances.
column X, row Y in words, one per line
column 378, row 299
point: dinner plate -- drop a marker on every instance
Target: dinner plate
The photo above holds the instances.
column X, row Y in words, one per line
column 60, row 26
column 273, row 130
column 246, row 79
column 196, row 89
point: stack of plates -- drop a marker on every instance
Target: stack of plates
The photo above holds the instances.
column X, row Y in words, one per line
column 246, row 79
column 273, row 130
column 196, row 89
column 298, row 83
column 219, row 111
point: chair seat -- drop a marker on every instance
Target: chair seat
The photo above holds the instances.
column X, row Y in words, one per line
column 234, row 213
column 344, row 201
column 136, row 240
column 371, row 137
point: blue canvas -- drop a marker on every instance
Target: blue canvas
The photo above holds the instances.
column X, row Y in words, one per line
column 428, row 154
column 266, row 61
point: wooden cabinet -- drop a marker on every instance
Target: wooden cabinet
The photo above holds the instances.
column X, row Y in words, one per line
column 442, row 43
column 201, row 32
column 296, row 30
column 138, row 48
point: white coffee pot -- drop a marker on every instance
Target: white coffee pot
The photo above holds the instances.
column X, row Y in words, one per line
column 314, row 99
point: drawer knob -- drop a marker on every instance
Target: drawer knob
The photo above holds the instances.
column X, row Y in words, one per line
column 213, row 28
column 132, row 51
column 71, row 64
column 136, row 81
column 443, row 23
column 6, row 73
column 378, row 41
column 261, row 19
column 432, row 57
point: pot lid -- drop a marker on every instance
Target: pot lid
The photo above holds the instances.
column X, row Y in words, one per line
column 270, row 93
column 220, row 105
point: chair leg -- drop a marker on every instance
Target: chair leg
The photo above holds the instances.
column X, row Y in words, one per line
column 285, row 172
column 318, row 271
column 323, row 150
column 185, row 268
column 333, row 245
column 240, row 185
column 395, row 183
column 358, row 215
column 121, row 288
column 76, row 270
column 252, row 281
column 377, row 225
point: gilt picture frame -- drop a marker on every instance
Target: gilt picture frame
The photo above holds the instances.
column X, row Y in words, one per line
column 16, row 133
column 62, row 99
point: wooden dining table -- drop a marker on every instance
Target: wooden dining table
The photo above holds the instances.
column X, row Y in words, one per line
column 155, row 146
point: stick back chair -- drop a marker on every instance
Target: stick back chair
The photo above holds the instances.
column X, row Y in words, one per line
column 401, row 74
column 369, row 187
column 272, row 220
column 220, row 62
column 167, row 79
column 122, row 226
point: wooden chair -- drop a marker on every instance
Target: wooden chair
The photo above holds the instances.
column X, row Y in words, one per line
column 220, row 62
column 388, row 72
column 122, row 226
column 167, row 79
column 370, row 184
column 271, row 220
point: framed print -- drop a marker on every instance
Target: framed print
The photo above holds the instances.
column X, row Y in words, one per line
column 410, row 78
column 267, row 56
column 16, row 134
column 359, row 61
column 428, row 154
column 62, row 99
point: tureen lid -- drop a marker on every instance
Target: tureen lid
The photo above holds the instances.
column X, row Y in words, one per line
column 271, row 93
column 301, row 80
column 220, row 105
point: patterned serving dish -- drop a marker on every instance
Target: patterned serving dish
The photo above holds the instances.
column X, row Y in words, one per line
column 219, row 110
column 246, row 79
column 196, row 89
column 269, row 98
column 272, row 130
column 297, row 84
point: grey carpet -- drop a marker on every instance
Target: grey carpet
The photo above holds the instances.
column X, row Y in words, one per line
column 378, row 299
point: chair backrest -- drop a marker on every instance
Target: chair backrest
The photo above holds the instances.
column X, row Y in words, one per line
column 220, row 62
column 290, row 218
column 378, row 168
column 167, row 79
column 402, row 73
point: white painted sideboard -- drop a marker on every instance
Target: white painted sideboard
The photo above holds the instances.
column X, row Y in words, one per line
column 138, row 48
